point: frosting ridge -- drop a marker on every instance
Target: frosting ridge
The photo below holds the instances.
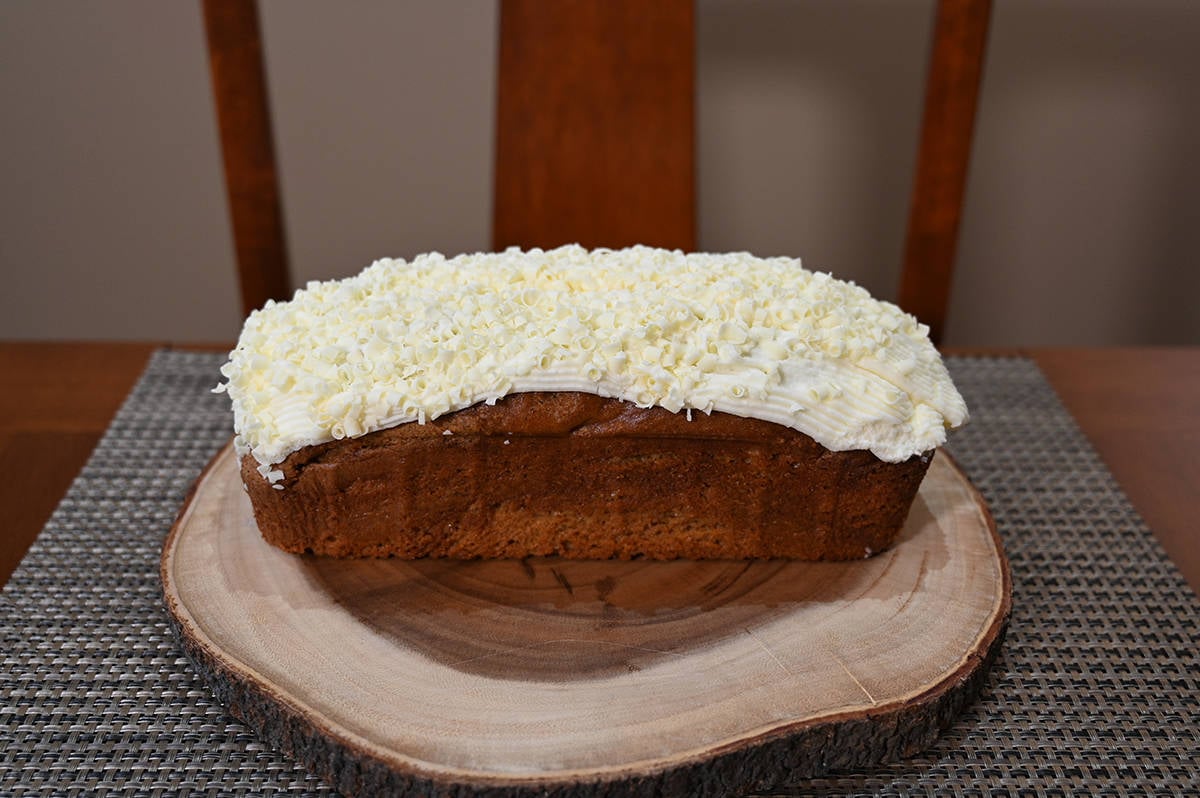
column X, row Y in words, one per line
column 755, row 337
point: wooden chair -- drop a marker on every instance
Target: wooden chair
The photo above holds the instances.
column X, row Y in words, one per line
column 595, row 140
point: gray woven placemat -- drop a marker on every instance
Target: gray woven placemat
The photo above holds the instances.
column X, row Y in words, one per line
column 1097, row 691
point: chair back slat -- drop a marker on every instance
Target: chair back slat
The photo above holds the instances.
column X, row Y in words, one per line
column 595, row 124
column 244, row 120
column 951, row 96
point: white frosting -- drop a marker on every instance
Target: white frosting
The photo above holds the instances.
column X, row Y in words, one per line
column 759, row 338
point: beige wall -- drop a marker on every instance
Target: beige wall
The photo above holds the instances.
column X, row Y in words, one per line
column 1083, row 211
column 112, row 220
column 402, row 163
column 807, row 125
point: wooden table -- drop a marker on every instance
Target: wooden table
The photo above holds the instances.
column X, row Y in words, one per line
column 1140, row 407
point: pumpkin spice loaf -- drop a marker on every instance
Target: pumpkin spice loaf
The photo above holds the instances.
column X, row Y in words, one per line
column 629, row 403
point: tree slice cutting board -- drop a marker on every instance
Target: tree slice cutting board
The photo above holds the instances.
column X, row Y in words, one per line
column 507, row 678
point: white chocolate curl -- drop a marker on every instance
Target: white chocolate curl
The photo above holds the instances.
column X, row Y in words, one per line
column 758, row 338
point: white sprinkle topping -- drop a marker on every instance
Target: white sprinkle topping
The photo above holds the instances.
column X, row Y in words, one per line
column 760, row 338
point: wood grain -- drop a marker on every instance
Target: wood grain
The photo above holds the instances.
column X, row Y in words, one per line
column 594, row 124
column 514, row 677
column 66, row 386
column 951, row 95
column 243, row 116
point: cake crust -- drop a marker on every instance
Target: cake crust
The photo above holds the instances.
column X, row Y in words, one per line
column 581, row 476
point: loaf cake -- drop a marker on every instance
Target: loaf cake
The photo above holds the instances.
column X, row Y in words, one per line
column 595, row 404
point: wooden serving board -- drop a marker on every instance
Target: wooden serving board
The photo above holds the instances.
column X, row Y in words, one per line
column 508, row 678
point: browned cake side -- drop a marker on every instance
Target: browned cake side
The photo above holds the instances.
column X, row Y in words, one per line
column 576, row 475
